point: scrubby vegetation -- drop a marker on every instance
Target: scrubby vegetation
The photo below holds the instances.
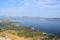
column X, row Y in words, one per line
column 26, row 32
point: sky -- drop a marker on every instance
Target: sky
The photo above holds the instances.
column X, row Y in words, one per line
column 31, row 8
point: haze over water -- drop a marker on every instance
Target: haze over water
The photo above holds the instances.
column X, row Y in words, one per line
column 34, row 8
column 42, row 25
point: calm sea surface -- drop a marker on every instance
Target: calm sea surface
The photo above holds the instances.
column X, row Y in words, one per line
column 42, row 25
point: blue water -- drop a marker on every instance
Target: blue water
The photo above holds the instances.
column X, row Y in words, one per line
column 42, row 25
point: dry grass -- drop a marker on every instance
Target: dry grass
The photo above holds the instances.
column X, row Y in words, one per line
column 12, row 36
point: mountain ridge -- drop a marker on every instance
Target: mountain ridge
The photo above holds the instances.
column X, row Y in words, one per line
column 25, row 17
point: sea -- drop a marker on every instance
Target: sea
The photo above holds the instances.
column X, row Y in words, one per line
column 52, row 27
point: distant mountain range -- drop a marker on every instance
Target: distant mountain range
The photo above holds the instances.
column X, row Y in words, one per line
column 25, row 17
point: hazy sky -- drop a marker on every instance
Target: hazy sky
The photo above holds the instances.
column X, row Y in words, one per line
column 34, row 8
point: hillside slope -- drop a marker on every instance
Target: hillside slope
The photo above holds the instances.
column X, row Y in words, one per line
column 10, row 31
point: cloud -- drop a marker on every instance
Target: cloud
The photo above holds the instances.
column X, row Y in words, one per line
column 33, row 3
column 26, row 7
column 23, row 5
column 40, row 3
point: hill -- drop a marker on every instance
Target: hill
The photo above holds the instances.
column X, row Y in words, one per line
column 10, row 30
